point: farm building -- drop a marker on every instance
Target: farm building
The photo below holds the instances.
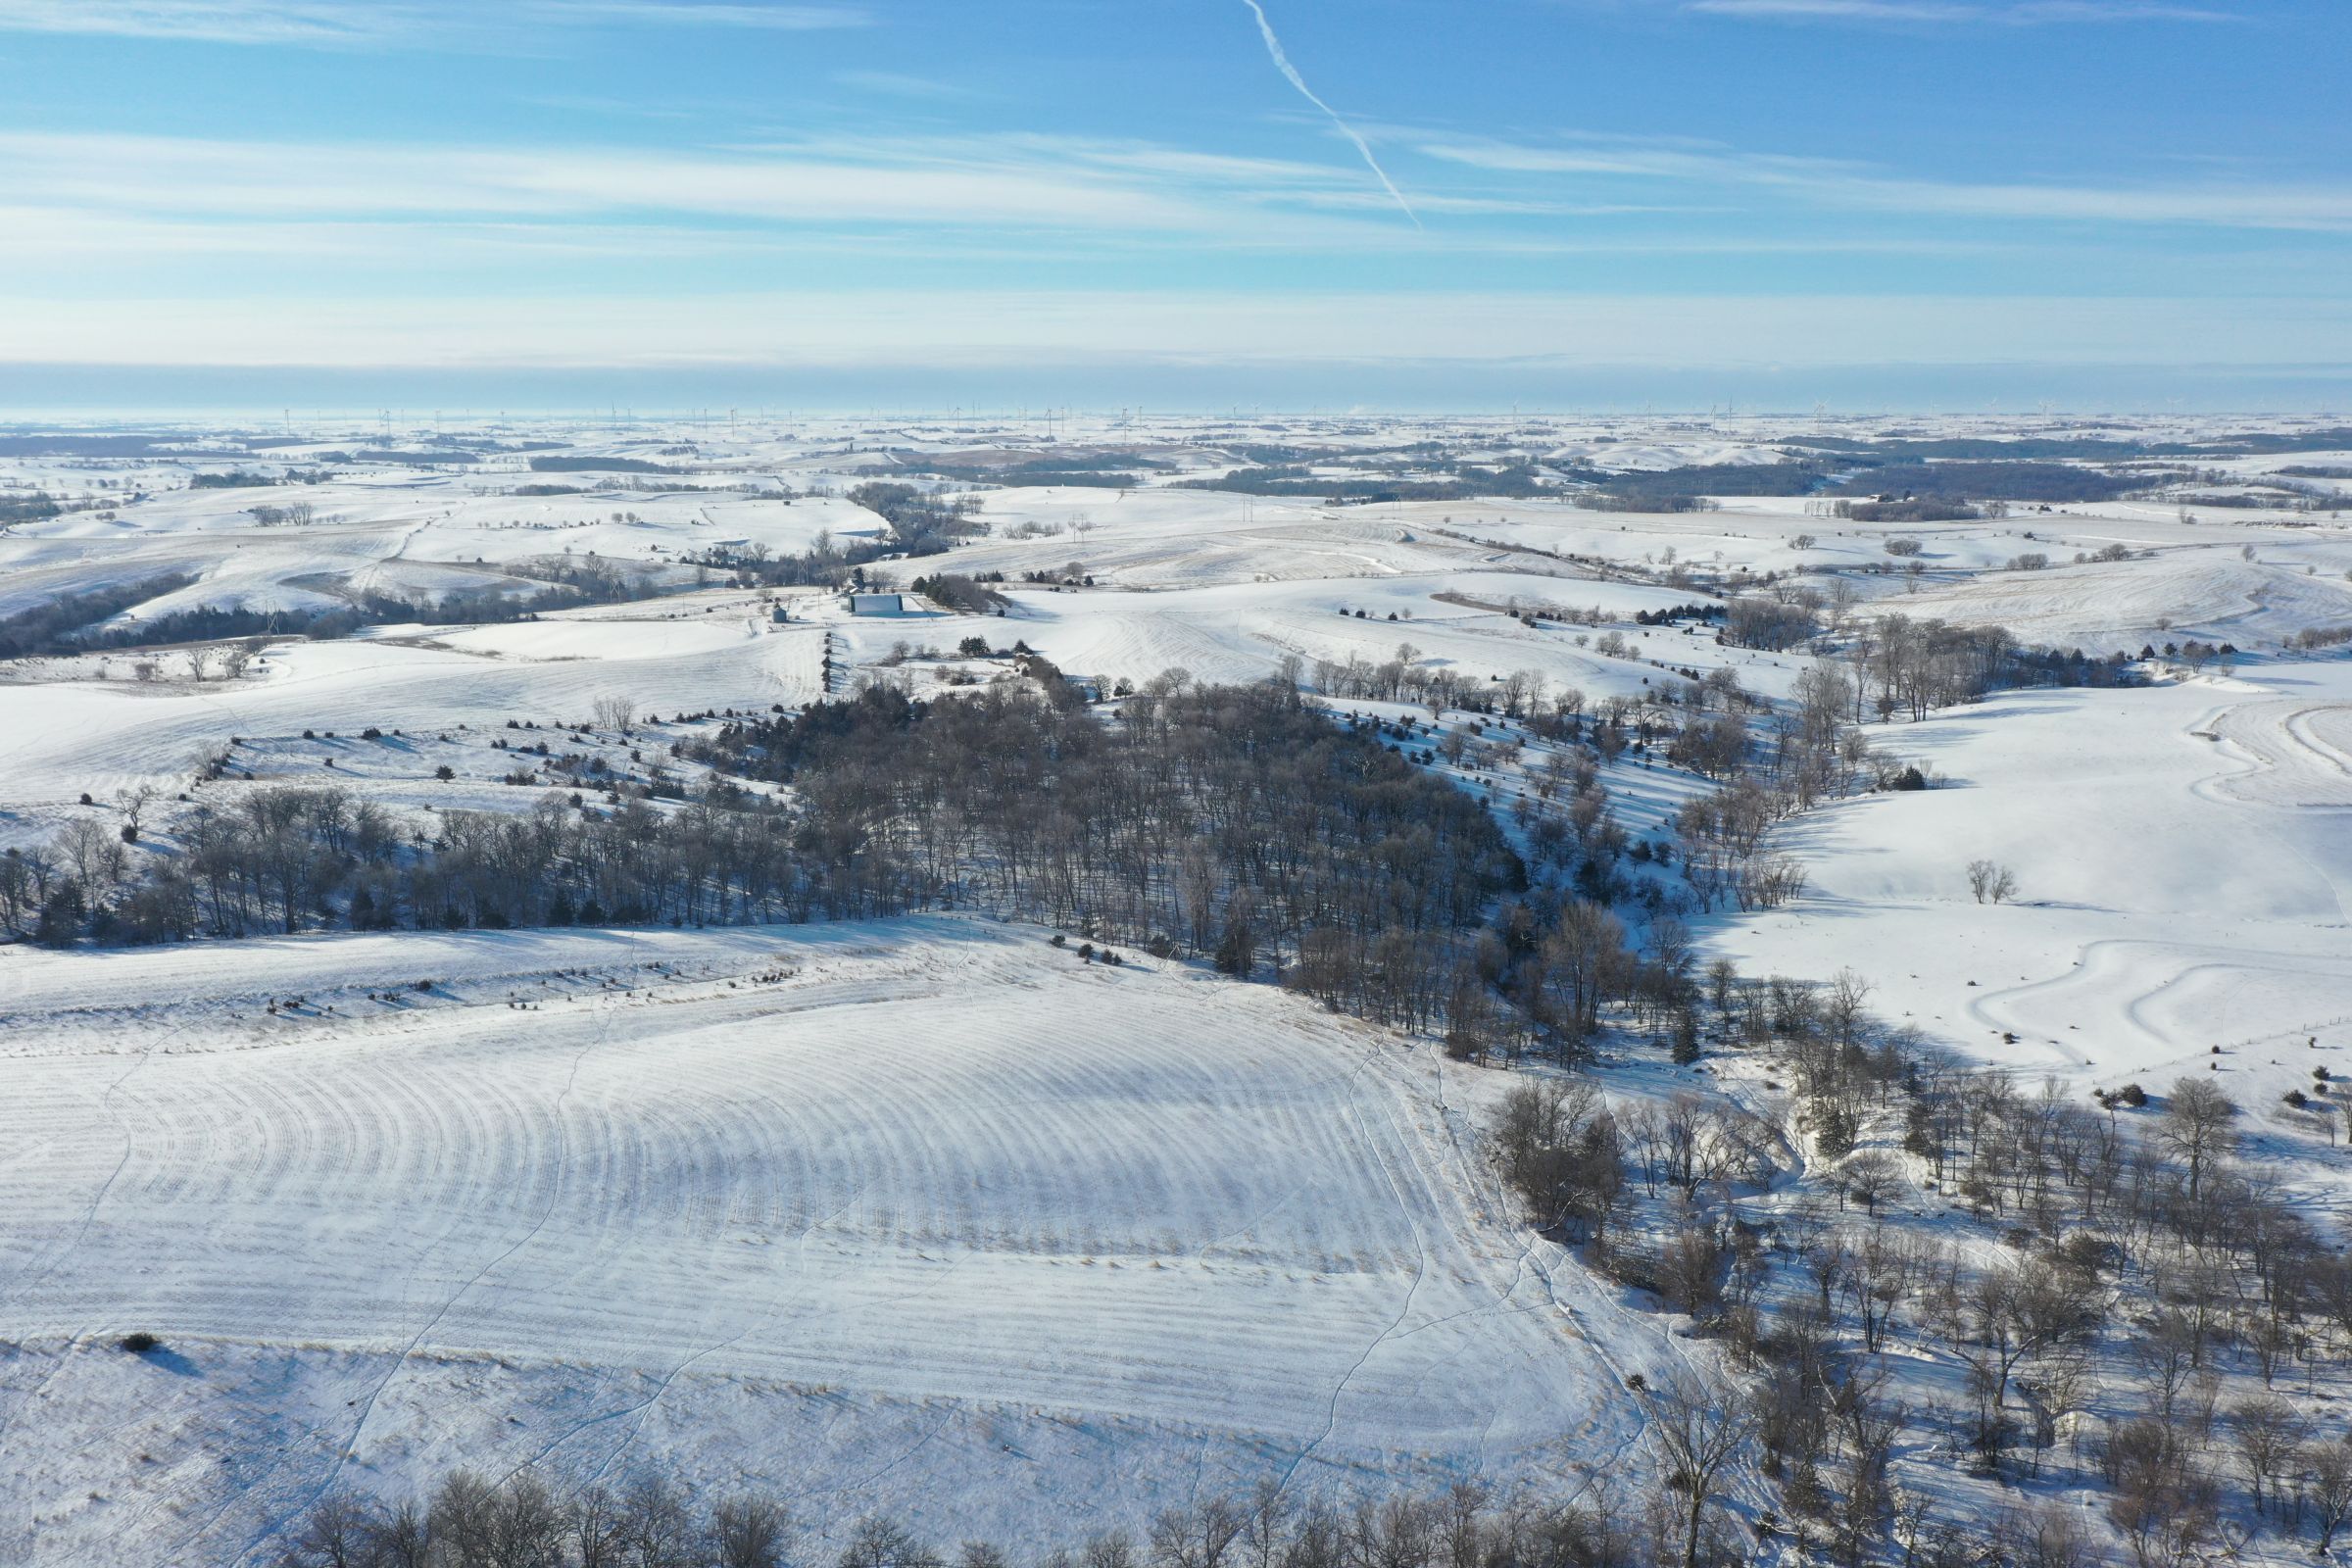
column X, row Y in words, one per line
column 875, row 604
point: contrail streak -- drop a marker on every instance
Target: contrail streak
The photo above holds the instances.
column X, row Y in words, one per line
column 1282, row 63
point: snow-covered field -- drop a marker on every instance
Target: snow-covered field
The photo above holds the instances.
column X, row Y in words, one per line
column 926, row 1216
column 2185, row 863
column 925, row 1212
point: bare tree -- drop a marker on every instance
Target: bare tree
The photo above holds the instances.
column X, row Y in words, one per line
column 404, row 1539
column 2059, row 1386
column 659, row 1527
column 593, row 1527
column 2267, row 1434
column 1914, row 1511
column 2197, row 1128
column 1199, row 1536
column 2166, row 1354
column 2160, row 1496
column 1845, row 1007
column 1991, row 882
column 526, row 1527
column 1872, row 1177
column 1112, row 1548
column 614, row 712
column 879, row 1542
column 2048, row 1535
column 1702, row 1423
column 750, row 1533
column 2023, row 1311
column 463, row 1520
column 2331, row 1470
column 1690, row 1267
column 338, row 1531
column 1879, row 1276
column 97, row 856
column 1265, row 1525
column 135, row 799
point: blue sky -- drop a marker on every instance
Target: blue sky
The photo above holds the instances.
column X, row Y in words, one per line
column 1898, row 202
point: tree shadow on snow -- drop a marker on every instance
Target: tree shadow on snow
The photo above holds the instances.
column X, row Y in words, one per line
column 171, row 1361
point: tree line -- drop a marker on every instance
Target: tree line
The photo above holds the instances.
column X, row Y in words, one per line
column 74, row 624
column 1233, row 823
column 1237, row 824
column 465, row 1520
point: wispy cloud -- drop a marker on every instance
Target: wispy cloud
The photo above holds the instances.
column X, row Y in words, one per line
column 947, row 329
column 887, row 184
column 54, row 246
column 1008, row 184
column 363, row 24
column 702, row 13
column 1856, row 186
column 899, row 84
column 2014, row 13
column 257, row 21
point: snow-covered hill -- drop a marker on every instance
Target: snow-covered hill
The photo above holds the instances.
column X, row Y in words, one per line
column 929, row 1212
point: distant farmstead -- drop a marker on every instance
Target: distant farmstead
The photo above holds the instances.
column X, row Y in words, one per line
column 875, row 604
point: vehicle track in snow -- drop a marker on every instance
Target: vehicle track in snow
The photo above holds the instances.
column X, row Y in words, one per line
column 943, row 1165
